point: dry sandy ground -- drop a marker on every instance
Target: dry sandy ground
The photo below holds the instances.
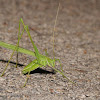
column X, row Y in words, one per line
column 77, row 45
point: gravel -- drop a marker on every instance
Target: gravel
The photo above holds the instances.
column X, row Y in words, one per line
column 77, row 45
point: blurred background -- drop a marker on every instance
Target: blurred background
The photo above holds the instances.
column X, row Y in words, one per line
column 77, row 45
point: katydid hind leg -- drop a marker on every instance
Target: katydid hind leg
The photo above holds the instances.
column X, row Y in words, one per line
column 18, row 45
column 34, row 46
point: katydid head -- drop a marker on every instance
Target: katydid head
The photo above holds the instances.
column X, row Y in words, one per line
column 51, row 62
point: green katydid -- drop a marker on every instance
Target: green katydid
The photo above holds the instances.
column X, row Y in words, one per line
column 40, row 60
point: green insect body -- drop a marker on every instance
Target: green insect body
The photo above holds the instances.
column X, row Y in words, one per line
column 40, row 61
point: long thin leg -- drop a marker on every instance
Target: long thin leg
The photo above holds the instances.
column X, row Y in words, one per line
column 34, row 46
column 18, row 45
column 62, row 74
column 26, row 79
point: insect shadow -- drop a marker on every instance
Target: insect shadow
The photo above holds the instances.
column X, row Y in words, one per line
column 38, row 70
